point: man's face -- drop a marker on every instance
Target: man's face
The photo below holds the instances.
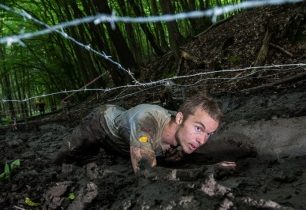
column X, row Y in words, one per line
column 195, row 130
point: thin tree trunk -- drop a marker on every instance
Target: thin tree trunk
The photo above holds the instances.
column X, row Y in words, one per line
column 157, row 49
column 174, row 35
column 160, row 33
column 125, row 55
column 205, row 22
column 138, row 52
column 20, row 88
column 6, row 85
column 84, row 37
column 7, row 91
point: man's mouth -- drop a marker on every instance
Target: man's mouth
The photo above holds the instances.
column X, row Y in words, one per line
column 193, row 146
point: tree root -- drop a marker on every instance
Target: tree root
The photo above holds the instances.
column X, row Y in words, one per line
column 185, row 56
column 263, row 52
column 213, row 26
column 281, row 49
column 288, row 79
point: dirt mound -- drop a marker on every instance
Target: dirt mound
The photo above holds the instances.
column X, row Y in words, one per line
column 257, row 37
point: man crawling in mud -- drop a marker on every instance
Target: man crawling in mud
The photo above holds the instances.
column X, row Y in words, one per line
column 145, row 132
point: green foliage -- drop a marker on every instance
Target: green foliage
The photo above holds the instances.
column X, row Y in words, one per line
column 31, row 203
column 4, row 120
column 71, row 196
column 51, row 63
column 8, row 169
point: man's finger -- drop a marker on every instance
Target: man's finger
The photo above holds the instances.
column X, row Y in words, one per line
column 227, row 165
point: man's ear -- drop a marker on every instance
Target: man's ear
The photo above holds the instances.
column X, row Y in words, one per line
column 179, row 118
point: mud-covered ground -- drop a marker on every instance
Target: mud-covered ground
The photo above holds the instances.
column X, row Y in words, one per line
column 263, row 131
column 276, row 182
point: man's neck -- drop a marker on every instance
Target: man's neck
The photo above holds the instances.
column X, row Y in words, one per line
column 168, row 135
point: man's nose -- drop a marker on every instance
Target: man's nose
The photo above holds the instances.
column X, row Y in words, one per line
column 202, row 139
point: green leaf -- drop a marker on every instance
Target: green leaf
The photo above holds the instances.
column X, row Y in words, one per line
column 15, row 164
column 71, row 196
column 2, row 176
column 29, row 202
column 7, row 169
column 6, row 173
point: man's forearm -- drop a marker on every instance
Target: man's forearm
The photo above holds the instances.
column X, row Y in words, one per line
column 161, row 173
column 142, row 159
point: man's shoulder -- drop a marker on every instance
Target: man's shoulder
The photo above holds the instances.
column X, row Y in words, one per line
column 150, row 108
column 111, row 111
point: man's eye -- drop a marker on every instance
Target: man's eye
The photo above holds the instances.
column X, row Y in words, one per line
column 198, row 128
column 210, row 134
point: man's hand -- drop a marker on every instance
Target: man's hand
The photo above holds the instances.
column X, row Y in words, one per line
column 144, row 165
column 226, row 165
column 224, row 168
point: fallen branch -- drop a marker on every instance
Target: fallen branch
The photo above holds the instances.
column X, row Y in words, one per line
column 263, row 52
column 262, row 204
column 214, row 25
column 185, row 56
column 281, row 49
column 297, row 76
column 17, row 207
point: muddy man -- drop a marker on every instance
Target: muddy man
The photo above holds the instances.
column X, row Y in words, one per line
column 145, row 132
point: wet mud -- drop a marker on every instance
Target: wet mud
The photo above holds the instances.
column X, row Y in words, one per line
column 264, row 178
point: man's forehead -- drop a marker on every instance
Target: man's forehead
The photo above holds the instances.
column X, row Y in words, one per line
column 201, row 116
column 198, row 109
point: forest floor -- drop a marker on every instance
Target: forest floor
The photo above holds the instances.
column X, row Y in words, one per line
column 263, row 131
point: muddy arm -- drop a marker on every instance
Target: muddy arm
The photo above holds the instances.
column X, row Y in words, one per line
column 191, row 174
column 144, row 165
column 188, row 174
column 142, row 160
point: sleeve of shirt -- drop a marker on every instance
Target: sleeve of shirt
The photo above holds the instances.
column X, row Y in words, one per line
column 143, row 131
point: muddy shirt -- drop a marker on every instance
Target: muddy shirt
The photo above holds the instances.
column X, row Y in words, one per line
column 140, row 126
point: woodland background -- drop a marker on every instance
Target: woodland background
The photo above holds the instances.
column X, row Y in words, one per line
column 51, row 63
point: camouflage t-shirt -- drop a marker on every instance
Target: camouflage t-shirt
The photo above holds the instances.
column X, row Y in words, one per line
column 140, row 126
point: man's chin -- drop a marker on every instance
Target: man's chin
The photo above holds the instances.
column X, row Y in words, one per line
column 188, row 150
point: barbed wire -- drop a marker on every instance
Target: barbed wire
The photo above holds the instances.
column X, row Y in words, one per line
column 112, row 19
column 165, row 80
column 87, row 47
column 240, row 77
column 215, row 12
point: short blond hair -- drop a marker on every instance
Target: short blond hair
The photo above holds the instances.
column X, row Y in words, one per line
column 207, row 103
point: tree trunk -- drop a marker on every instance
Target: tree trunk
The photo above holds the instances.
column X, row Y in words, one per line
column 146, row 30
column 160, row 33
column 174, row 35
column 6, row 84
column 20, row 87
column 205, row 22
column 126, row 58
column 138, row 52
column 97, row 36
column 85, row 37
